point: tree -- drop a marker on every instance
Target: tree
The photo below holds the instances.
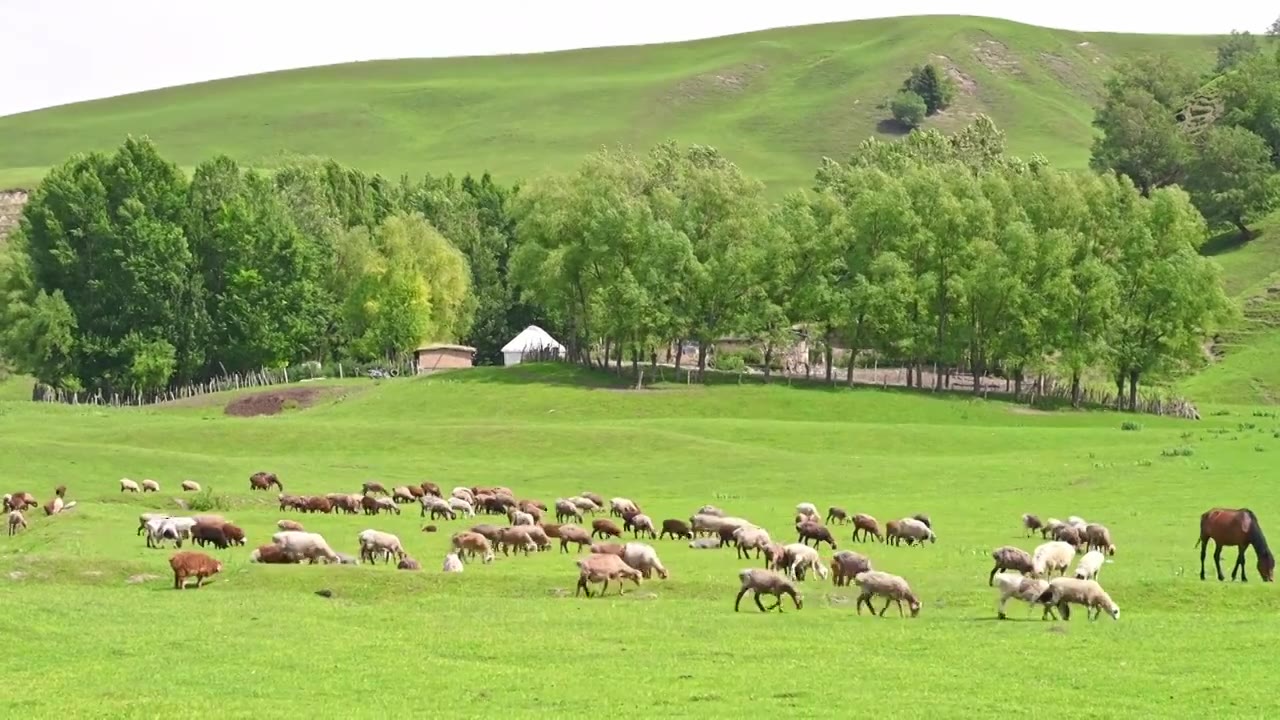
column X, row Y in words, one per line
column 1235, row 49
column 1232, row 180
column 1251, row 98
column 908, row 109
column 1140, row 139
column 1273, row 30
column 934, row 86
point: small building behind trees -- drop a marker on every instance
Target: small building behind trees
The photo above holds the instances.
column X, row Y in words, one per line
column 441, row 356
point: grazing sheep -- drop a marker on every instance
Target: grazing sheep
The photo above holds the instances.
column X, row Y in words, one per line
column 408, row 563
column 431, row 488
column 60, row 491
column 208, row 534
column 305, row 545
column 891, row 587
column 608, row 548
column 291, row 501
column 604, row 567
column 573, row 534
column 160, row 529
column 705, row 543
column 1098, row 537
column 128, row 485
column 621, row 507
column 845, row 566
column 838, row 514
column 644, row 558
column 1031, row 523
column 641, row 523
column 416, row 492
column 436, row 507
column 751, row 538
column 539, row 537
column 1008, row 557
column 452, row 563
column 490, row 532
column 190, row 486
column 150, row 486
column 1070, row 535
column 290, row 525
column 463, row 493
column 517, row 538
column 375, row 542
column 818, row 533
column 187, row 563
column 318, row 504
column 386, row 504
column 798, row 558
column 593, row 497
column 809, row 510
column 704, row 523
column 675, row 528
column 1050, row 556
column 519, row 517
column 534, row 508
column 234, row 535
column 497, row 504
column 372, row 487
column 21, row 501
column 914, row 531
column 604, row 528
column 710, row 510
column 54, row 506
column 868, row 526
column 402, row 494
column 566, row 510
column 924, row 518
column 271, row 555
column 1026, row 589
column 1077, row 522
column 264, row 481
column 585, row 504
column 16, row 522
column 1090, row 565
column 766, row 582
column 1050, row 527
column 1063, row 591
column 473, row 544
column 147, row 517
column 462, row 507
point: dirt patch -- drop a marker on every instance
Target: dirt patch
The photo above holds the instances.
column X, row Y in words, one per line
column 273, row 402
column 965, row 84
column 995, row 56
column 721, row 82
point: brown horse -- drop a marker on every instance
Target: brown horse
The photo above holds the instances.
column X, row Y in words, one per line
column 1235, row 528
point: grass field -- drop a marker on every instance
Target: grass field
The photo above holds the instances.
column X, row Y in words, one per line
column 505, row 638
column 775, row 101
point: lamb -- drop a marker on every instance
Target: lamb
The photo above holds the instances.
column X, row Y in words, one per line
column 408, row 563
column 816, row 532
column 472, row 543
column 304, row 545
column 436, row 507
column 838, row 514
column 573, row 534
column 1026, row 589
column 809, row 510
column 128, row 485
column 798, row 558
column 566, row 510
column 1008, row 557
column 1031, row 523
column 642, row 523
column 644, row 558
column 596, row 568
column 186, row 563
column 1063, row 591
column 846, row 565
column 604, row 528
column 1090, row 565
column 869, row 527
column 620, row 507
column 16, row 522
column 452, row 563
column 373, row 487
column 150, row 486
column 375, row 542
column 271, row 555
column 1098, row 537
column 751, row 538
column 766, row 582
column 290, row 525
column 190, row 486
column 891, row 587
column 1050, row 556
column 675, row 528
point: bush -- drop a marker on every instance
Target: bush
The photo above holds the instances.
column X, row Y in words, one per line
column 1177, row 452
column 730, row 363
column 753, row 356
column 909, row 109
column 206, row 501
column 934, row 87
column 1130, row 425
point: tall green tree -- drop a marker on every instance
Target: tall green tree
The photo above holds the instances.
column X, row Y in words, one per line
column 1232, row 180
column 934, row 86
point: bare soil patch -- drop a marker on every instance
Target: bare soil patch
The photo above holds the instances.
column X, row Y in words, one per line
column 273, row 402
column 997, row 58
column 722, row 82
column 964, row 83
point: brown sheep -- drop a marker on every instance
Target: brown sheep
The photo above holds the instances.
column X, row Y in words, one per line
column 497, row 504
column 838, row 514
column 535, row 503
column 924, row 518
column 551, row 529
column 60, row 491
column 593, row 497
column 234, row 535
column 607, row 548
column 408, row 563
column 676, row 528
column 370, row 505
column 845, row 566
column 573, row 534
column 402, row 494
column 317, row 504
column 516, row 538
column 469, row 543
column 207, row 533
column 264, row 480
column 21, row 501
column 490, row 532
column 868, row 526
column 1008, row 557
column 188, row 563
column 373, row 486
column 290, row 501
column 1031, row 523
column 431, row 488
column 1069, row 535
column 345, row 502
column 1099, row 537
column 272, row 554
column 604, row 528
column 816, row 532
column 290, row 525
column 604, row 567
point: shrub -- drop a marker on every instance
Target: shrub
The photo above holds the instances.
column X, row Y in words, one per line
column 909, row 109
column 206, row 501
column 1130, row 425
column 1177, row 452
column 730, row 363
column 934, row 87
column 753, row 356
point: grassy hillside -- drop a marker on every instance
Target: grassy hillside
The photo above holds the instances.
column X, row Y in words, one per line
column 775, row 101
column 96, row 605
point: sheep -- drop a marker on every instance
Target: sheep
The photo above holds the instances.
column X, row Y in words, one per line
column 766, row 582
column 808, row 509
column 914, row 530
column 675, row 528
column 386, row 504
column 272, row 555
column 54, row 506
column 705, row 523
column 308, row 545
column 1063, row 591
column 234, row 535
column 264, row 481
column 452, row 563
column 1090, row 565
column 186, row 563
column 566, row 510
column 372, row 487
column 490, row 532
column 402, row 494
column 461, row 507
column 60, row 491
column 497, row 504
column 609, row 548
column 818, row 533
column 573, row 534
column 1070, row 535
column 869, row 527
column 593, row 497
column 541, row 540
column 190, row 486
column 924, row 518
column 290, row 501
column 798, row 558
column 1050, row 527
column 206, row 533
column 619, row 507
column 596, row 568
column 751, row 538
column 727, row 527
column 290, row 525
column 210, row 519
column 838, row 514
column 1077, row 521
column 416, row 492
column 1026, row 589
column 20, row 501
column 375, row 542
column 16, row 522
column 705, row 543
column 463, row 493
column 1008, row 557
column 516, row 537
column 408, row 563
column 845, row 566
column 436, row 507
column 1050, row 556
column 128, row 485
column 1098, row 537
column 644, row 558
column 1031, row 523
column 150, row 486
column 585, row 504
column 604, row 528
column 431, row 488
column 710, row 510
column 472, row 543
column 519, row 517
column 891, row 587
column 534, row 508
column 164, row 528
column 642, row 523
column 318, row 505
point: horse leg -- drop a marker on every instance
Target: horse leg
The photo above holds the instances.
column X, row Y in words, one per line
column 1239, row 564
column 1217, row 560
column 1204, row 550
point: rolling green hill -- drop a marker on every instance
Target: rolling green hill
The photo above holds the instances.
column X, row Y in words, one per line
column 775, row 101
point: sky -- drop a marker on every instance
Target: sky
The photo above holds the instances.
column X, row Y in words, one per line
column 54, row 52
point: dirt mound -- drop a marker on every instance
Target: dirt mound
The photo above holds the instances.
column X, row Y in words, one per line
column 272, row 402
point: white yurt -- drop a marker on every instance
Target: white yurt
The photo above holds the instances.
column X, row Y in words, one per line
column 532, row 340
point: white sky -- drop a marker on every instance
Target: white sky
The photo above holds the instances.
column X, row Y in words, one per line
column 59, row 51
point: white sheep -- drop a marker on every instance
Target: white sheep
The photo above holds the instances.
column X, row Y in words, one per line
column 1026, row 589
column 641, row 523
column 147, row 517
column 387, row 504
column 1063, row 591
column 1050, row 556
column 128, row 485
column 190, row 486
column 375, row 542
column 751, row 538
column 800, row 557
column 16, row 521
column 705, row 543
column 1090, row 565
column 150, row 486
column 452, row 563
column 435, row 506
column 644, row 558
column 304, row 545
column 622, row 507
column 566, row 509
column 462, row 506
column 710, row 510
column 463, row 493
column 916, row 531
column 519, row 517
column 808, row 509
column 161, row 529
column 891, row 587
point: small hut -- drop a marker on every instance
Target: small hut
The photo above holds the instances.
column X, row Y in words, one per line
column 533, row 343
column 441, row 356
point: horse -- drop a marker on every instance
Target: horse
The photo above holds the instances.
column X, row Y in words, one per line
column 264, row 480
column 1236, row 528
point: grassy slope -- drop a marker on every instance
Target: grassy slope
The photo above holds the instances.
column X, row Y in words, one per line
column 500, row 638
column 776, row 101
